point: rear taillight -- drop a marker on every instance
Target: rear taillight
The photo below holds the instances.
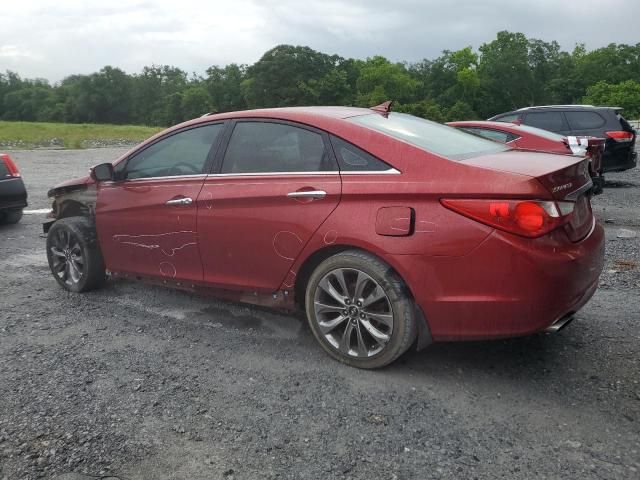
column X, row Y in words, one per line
column 620, row 135
column 11, row 167
column 529, row 218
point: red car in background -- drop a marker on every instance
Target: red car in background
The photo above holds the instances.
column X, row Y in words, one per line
column 388, row 230
column 532, row 138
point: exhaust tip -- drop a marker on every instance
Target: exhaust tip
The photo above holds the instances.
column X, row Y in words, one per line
column 560, row 323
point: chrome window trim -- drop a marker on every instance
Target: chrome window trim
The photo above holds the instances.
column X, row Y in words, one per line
column 391, row 171
column 130, row 180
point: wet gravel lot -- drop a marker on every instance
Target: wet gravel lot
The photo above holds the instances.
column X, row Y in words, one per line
column 135, row 381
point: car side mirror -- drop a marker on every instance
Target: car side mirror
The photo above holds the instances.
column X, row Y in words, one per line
column 102, row 172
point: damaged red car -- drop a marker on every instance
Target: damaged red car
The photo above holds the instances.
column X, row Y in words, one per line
column 388, row 230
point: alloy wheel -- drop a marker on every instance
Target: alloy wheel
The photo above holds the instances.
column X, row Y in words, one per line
column 353, row 312
column 67, row 260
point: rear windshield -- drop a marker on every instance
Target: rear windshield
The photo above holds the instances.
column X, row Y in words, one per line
column 430, row 136
column 540, row 132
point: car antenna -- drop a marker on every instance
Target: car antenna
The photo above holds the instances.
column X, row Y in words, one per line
column 383, row 108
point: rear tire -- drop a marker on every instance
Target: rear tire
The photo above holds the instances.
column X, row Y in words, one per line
column 598, row 184
column 12, row 216
column 74, row 255
column 360, row 310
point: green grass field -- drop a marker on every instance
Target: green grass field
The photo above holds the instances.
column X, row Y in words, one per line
column 69, row 135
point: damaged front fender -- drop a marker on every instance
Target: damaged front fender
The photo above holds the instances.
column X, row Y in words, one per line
column 73, row 198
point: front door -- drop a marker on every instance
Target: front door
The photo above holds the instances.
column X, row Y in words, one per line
column 277, row 184
column 147, row 218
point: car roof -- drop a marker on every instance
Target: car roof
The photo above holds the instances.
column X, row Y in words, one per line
column 567, row 107
column 295, row 112
column 483, row 123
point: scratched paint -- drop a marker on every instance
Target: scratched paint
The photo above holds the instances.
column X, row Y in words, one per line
column 153, row 241
column 330, row 237
column 290, row 280
column 208, row 200
column 424, row 226
column 167, row 269
column 287, row 244
column 403, row 221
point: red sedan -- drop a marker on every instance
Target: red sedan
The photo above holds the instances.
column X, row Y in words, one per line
column 531, row 138
column 387, row 229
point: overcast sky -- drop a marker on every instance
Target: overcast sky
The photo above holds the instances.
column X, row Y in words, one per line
column 54, row 38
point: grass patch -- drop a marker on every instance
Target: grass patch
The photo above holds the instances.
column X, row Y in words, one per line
column 70, row 135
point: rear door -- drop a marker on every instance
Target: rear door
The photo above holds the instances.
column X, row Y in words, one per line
column 275, row 183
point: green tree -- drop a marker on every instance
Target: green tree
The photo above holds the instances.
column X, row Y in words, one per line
column 624, row 94
column 505, row 76
column 224, row 85
column 195, row 102
column 381, row 80
column 283, row 75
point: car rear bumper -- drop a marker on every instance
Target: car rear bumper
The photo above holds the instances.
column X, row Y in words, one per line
column 13, row 194
column 507, row 286
column 619, row 161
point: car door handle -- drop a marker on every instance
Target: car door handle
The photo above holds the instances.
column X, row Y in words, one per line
column 180, row 201
column 318, row 194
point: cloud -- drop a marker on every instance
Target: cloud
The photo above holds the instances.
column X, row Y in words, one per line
column 52, row 39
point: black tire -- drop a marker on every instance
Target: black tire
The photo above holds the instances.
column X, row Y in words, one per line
column 12, row 216
column 598, row 184
column 397, row 297
column 74, row 255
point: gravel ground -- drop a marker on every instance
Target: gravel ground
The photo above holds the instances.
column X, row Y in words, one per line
column 135, row 381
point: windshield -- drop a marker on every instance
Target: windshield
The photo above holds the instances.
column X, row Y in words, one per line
column 430, row 136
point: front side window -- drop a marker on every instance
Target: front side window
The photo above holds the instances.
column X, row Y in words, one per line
column 183, row 153
column 430, row 136
column 265, row 147
column 552, row 121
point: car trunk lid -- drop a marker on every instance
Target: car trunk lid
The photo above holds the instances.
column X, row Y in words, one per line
column 565, row 177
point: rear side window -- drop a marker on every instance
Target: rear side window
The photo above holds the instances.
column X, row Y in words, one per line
column 584, row 120
column 354, row 159
column 552, row 121
column 4, row 171
column 264, row 147
column 430, row 136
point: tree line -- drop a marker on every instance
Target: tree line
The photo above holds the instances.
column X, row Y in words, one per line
column 509, row 72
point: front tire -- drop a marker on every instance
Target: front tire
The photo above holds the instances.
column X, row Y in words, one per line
column 74, row 255
column 360, row 310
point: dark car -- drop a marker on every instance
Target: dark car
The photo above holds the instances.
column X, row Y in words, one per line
column 388, row 230
column 587, row 120
column 13, row 195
